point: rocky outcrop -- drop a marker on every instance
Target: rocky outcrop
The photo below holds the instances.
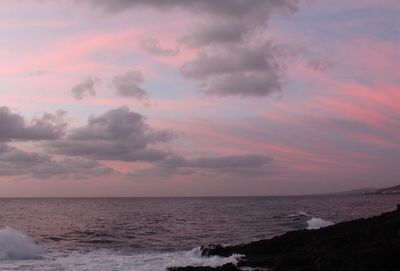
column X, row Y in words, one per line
column 361, row 245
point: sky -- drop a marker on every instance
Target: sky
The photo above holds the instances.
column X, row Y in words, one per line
column 198, row 98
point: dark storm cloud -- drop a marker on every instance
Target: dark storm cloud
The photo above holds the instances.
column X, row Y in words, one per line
column 119, row 134
column 85, row 88
column 234, row 31
column 243, row 165
column 16, row 162
column 128, row 85
column 15, row 127
column 153, row 47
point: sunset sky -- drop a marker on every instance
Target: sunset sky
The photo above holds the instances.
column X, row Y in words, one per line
column 198, row 97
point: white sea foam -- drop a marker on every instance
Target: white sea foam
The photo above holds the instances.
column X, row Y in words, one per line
column 15, row 245
column 316, row 223
column 104, row 260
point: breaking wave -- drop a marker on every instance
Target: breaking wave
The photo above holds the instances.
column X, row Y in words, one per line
column 308, row 221
column 317, row 223
column 105, row 260
column 15, row 245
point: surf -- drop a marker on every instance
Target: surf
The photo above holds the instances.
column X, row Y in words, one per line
column 15, row 245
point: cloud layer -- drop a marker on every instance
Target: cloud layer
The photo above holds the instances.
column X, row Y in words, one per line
column 249, row 165
column 16, row 162
column 251, row 9
column 15, row 127
column 119, row 134
column 288, row 96
column 230, row 28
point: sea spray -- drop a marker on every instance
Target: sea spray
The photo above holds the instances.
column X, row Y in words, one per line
column 308, row 221
column 316, row 223
column 106, row 260
column 15, row 245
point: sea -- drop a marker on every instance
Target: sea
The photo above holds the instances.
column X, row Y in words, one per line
column 151, row 234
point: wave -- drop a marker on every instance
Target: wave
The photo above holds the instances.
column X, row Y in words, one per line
column 317, row 223
column 105, row 260
column 15, row 245
column 196, row 258
column 309, row 222
column 299, row 214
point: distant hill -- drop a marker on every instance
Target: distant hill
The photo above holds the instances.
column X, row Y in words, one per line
column 359, row 191
column 386, row 191
column 372, row 191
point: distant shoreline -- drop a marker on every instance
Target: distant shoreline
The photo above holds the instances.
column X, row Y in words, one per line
column 237, row 196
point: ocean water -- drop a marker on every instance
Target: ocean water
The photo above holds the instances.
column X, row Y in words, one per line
column 150, row 234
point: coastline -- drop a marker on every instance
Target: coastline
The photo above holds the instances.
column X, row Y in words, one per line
column 364, row 244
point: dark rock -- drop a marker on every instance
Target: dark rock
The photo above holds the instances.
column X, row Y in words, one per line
column 360, row 245
column 213, row 249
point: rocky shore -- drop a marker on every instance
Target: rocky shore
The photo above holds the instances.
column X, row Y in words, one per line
column 369, row 244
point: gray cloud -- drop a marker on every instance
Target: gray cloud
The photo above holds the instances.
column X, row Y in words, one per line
column 71, row 168
column 85, row 88
column 214, row 33
column 128, row 85
column 16, row 162
column 243, row 165
column 12, row 154
column 119, row 134
column 153, row 47
column 14, row 127
column 243, row 84
column 253, row 71
column 233, row 31
column 234, row 59
column 254, row 9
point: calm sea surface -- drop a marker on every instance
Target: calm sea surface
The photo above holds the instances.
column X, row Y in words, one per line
column 149, row 234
